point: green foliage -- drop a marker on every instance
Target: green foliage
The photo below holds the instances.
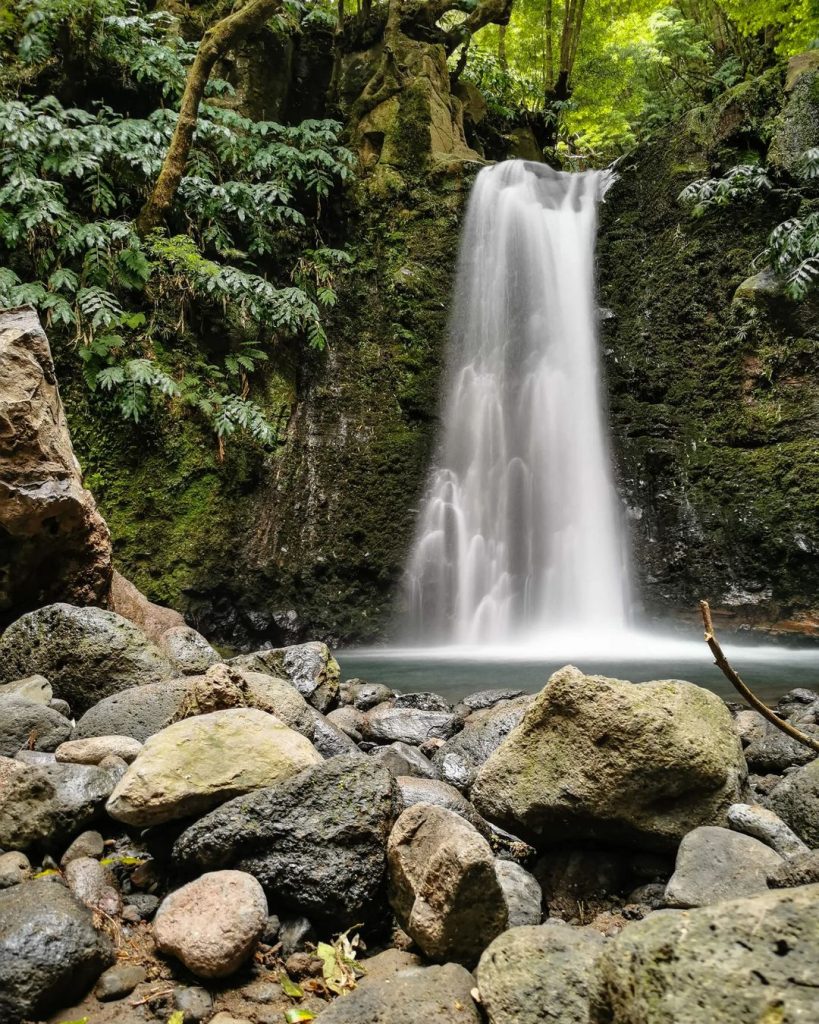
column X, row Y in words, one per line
column 792, row 25
column 793, row 254
column 73, row 178
column 741, row 183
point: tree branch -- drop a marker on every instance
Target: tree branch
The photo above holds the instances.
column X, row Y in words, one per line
column 733, row 678
column 216, row 42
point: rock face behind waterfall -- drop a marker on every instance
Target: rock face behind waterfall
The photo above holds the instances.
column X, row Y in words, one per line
column 54, row 544
column 598, row 758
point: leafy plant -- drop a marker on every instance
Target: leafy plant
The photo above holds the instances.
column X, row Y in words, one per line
column 793, row 254
column 740, row 183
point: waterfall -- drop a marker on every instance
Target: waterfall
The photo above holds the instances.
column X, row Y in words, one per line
column 519, row 534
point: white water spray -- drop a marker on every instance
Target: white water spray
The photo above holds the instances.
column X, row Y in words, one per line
column 519, row 536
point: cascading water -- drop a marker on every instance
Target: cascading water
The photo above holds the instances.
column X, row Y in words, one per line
column 519, row 534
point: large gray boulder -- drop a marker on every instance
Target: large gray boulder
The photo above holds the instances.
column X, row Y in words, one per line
column 316, row 842
column 433, row 791
column 459, row 759
column 85, row 653
column 24, row 723
column 738, row 961
column 55, row 545
column 50, row 952
column 603, row 759
column 796, row 801
column 539, row 974
column 418, row 995
column 198, row 763
column 443, row 884
column 521, row 892
column 310, row 667
column 138, row 712
column 386, row 724
column 761, row 823
column 716, row 864
column 44, row 806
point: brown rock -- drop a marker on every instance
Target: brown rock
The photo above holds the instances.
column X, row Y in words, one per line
column 132, row 604
column 58, row 546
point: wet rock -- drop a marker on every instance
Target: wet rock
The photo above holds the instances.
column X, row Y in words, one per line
column 24, row 723
column 50, row 952
column 194, row 1003
column 422, row 702
column 349, row 719
column 433, row 791
column 329, row 740
column 529, row 975
column 716, row 864
column 417, row 995
column 33, row 688
column 14, row 868
column 751, row 959
column 774, row 751
column 95, row 748
column 310, row 667
column 139, row 712
column 769, row 828
column 598, row 758
column 484, row 699
column 56, row 545
column 521, row 892
column 443, row 885
column 316, row 841
column 93, row 885
column 212, row 924
column 367, row 695
column 459, row 759
column 800, row 869
column 87, row 844
column 119, row 981
column 43, row 806
column 388, row 724
column 295, row 933
column 796, row 801
column 187, row 650
column 130, row 603
column 402, row 759
column 197, row 763
column 85, row 653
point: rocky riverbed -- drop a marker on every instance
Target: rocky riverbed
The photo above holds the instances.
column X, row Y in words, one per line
column 186, row 839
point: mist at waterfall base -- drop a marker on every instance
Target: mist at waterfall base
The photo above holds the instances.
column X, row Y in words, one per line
column 519, row 563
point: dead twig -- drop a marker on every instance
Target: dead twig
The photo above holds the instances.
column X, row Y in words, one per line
column 733, row 678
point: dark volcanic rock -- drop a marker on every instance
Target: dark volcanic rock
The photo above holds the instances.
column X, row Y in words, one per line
column 407, row 725
column 85, row 653
column 459, row 759
column 24, row 721
column 50, row 952
column 316, row 842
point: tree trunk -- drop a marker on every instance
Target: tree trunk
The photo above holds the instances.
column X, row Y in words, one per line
column 216, row 42
column 502, row 47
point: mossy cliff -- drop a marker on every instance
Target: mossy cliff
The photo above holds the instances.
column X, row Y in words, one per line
column 712, row 373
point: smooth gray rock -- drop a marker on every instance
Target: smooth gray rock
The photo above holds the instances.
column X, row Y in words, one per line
column 546, row 973
column 119, row 981
column 796, row 801
column 25, row 723
column 459, row 759
column 36, row 757
column 433, row 791
column 195, row 1003
column 35, row 688
column 85, row 653
column 87, row 844
column 367, row 695
column 188, row 651
column 50, row 952
column 310, row 667
column 406, row 725
column 716, row 864
column 14, row 868
column 316, row 841
column 489, row 698
column 402, row 759
column 521, row 892
column 418, row 995
column 737, row 962
column 761, row 823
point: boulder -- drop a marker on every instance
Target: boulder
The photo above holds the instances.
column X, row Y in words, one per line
column 128, row 601
column 43, row 806
column 443, row 884
column 198, row 763
column 87, row 844
column 189, row 651
column 537, row 974
column 316, row 842
column 459, row 759
column 95, row 748
column 422, row 702
column 407, row 725
column 433, row 791
column 14, row 868
column 35, row 688
column 349, row 719
column 402, row 759
column 521, row 893
column 138, row 712
column 774, row 751
column 212, row 925
column 54, row 544
column 744, row 960
column 796, row 801
column 367, row 695
column 119, row 981
column 761, row 823
column 603, row 759
column 86, row 653
column 25, row 723
column 801, row 869
column 310, row 667
column 50, row 952
column 417, row 995
column 716, row 864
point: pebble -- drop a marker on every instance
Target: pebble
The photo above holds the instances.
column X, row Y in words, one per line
column 194, row 1002
column 119, row 981
column 96, row 748
column 92, row 885
column 14, row 868
column 87, row 844
column 761, row 823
